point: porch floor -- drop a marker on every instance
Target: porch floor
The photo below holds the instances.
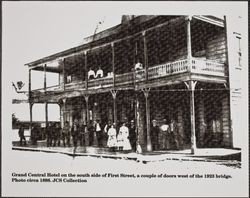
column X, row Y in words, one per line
column 201, row 154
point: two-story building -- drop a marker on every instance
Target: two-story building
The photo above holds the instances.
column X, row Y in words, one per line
column 185, row 77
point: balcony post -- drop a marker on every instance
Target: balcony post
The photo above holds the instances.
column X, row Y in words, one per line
column 145, row 55
column 45, row 78
column 29, row 83
column 114, row 93
column 64, row 77
column 86, row 69
column 113, row 63
column 189, row 42
column 191, row 86
column 146, row 94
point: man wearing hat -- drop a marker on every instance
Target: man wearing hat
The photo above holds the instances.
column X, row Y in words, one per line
column 132, row 135
column 166, row 135
column 155, row 135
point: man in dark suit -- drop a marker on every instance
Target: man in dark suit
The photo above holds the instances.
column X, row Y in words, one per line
column 21, row 135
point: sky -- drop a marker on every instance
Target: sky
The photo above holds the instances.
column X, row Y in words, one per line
column 33, row 30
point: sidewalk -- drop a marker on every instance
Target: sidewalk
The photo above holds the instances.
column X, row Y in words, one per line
column 204, row 154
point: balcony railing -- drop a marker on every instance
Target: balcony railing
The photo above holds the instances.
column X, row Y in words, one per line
column 198, row 66
column 207, row 67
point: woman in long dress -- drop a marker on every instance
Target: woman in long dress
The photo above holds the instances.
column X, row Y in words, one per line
column 112, row 142
column 123, row 142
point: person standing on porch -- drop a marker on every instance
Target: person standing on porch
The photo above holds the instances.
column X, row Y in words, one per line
column 174, row 133
column 49, row 134
column 98, row 131
column 66, row 134
column 105, row 132
column 155, row 135
column 91, row 131
column 34, row 135
column 132, row 135
column 122, row 138
column 82, row 134
column 166, row 135
column 112, row 142
column 75, row 132
column 58, row 131
column 21, row 135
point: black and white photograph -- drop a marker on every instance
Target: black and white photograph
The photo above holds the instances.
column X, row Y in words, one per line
column 126, row 98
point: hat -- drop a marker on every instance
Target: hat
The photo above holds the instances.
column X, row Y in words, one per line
column 132, row 121
column 153, row 120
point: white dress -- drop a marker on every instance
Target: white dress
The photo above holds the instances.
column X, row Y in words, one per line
column 112, row 142
column 122, row 138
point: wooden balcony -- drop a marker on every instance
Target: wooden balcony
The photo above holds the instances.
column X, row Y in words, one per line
column 205, row 69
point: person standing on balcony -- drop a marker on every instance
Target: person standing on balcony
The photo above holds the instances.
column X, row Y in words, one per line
column 138, row 66
column 99, row 73
column 91, row 74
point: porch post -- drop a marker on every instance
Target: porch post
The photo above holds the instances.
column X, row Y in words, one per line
column 189, row 42
column 31, row 115
column 46, row 114
column 146, row 94
column 45, row 80
column 86, row 97
column 139, row 126
column 191, row 86
column 30, row 103
column 201, row 118
column 145, row 55
column 86, row 69
column 114, row 92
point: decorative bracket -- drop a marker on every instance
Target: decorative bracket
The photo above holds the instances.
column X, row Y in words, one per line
column 191, row 85
column 114, row 92
column 146, row 92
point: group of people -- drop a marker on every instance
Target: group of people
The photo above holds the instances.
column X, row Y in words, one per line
column 98, row 134
column 93, row 75
column 123, row 137
column 99, row 72
column 171, row 138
